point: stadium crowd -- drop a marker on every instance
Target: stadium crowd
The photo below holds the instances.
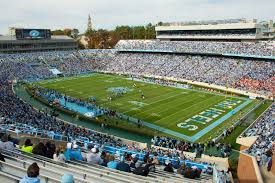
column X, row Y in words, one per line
column 15, row 113
column 94, row 154
column 250, row 75
column 264, row 128
column 245, row 74
column 241, row 48
column 222, row 149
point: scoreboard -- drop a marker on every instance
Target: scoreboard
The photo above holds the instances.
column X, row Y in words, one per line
column 32, row 34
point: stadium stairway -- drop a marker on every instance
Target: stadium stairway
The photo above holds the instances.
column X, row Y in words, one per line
column 52, row 171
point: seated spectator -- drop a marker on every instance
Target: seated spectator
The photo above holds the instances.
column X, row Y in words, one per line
column 105, row 158
column 143, row 171
column 209, row 170
column 133, row 162
column 168, row 166
column 94, row 157
column 155, row 159
column 50, row 149
column 76, row 153
column 6, row 144
column 39, row 149
column 32, row 174
column 27, row 147
column 181, row 169
column 176, row 165
column 67, row 178
column 187, row 172
column 122, row 166
column 59, row 154
column 68, row 151
column 195, row 173
column 112, row 162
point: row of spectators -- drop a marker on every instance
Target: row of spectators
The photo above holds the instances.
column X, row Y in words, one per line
column 224, row 150
column 264, row 48
column 95, row 154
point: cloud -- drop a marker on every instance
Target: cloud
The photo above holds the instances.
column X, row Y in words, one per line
column 59, row 14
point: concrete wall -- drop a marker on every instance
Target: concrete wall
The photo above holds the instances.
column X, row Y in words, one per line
column 248, row 170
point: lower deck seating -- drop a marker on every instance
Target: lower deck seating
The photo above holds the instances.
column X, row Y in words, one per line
column 84, row 172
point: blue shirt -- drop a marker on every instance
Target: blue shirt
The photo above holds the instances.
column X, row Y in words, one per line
column 76, row 155
column 112, row 164
column 27, row 179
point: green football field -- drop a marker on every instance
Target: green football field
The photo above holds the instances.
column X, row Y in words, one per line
column 189, row 112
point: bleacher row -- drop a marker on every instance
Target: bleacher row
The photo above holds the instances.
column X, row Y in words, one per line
column 263, row 48
column 50, row 171
column 19, row 130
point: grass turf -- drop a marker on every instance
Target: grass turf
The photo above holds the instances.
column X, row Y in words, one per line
column 163, row 106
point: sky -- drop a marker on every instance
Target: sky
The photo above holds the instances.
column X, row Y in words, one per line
column 107, row 14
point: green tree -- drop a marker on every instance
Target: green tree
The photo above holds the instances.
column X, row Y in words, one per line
column 75, row 33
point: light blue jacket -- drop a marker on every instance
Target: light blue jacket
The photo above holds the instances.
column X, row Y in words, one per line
column 27, row 179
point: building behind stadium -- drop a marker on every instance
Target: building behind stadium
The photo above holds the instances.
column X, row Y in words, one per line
column 225, row 30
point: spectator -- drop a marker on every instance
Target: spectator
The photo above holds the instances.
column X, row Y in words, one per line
column 50, row 149
column 94, row 157
column 39, row 149
column 112, row 163
column 122, row 166
column 6, row 144
column 59, row 154
column 75, row 153
column 32, row 174
column 27, row 147
column 67, row 178
column 168, row 166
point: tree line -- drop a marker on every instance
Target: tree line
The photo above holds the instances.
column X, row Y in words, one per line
column 104, row 39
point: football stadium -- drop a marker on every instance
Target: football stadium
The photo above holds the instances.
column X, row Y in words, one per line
column 193, row 104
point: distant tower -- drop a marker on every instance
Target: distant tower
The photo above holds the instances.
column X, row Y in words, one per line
column 89, row 27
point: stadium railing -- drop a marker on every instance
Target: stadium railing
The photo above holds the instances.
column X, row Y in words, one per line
column 8, row 178
column 18, row 172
